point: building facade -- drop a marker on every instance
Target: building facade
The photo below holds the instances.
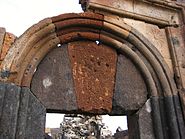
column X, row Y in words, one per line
column 119, row 57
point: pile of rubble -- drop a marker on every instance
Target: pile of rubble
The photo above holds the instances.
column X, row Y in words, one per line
column 77, row 126
column 84, row 127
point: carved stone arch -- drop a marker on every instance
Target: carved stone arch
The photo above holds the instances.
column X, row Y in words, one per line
column 30, row 49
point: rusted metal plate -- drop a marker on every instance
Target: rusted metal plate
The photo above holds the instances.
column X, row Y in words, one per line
column 130, row 89
column 52, row 82
column 93, row 68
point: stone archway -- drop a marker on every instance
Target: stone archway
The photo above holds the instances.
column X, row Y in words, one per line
column 121, row 47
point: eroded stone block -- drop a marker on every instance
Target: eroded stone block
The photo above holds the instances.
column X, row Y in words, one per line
column 9, row 110
column 93, row 68
column 130, row 89
column 52, row 82
column 31, row 118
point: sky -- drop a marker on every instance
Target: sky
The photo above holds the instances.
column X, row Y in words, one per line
column 18, row 15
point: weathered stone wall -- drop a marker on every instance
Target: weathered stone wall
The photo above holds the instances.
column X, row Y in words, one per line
column 6, row 40
column 119, row 57
column 157, row 36
column 161, row 22
column 21, row 114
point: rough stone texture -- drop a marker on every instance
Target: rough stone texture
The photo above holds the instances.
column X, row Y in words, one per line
column 93, row 69
column 140, row 123
column 133, row 130
column 177, row 37
column 121, row 135
column 31, row 118
column 22, row 116
column 8, row 40
column 155, row 35
column 2, row 34
column 180, row 0
column 137, row 9
column 145, row 121
column 87, row 15
column 182, row 97
column 20, row 48
column 9, row 110
column 52, row 82
column 130, row 89
column 95, row 99
column 2, row 94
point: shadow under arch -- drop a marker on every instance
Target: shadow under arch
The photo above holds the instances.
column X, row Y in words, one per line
column 30, row 48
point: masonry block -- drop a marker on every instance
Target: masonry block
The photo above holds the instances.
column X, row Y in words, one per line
column 93, row 67
column 52, row 82
column 7, row 42
column 130, row 89
column 140, row 123
column 31, row 118
column 2, row 34
column 10, row 95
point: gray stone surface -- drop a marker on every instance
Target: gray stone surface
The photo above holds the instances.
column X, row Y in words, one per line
column 130, row 89
column 2, row 93
column 133, row 127
column 140, row 123
column 9, row 110
column 22, row 119
column 53, row 84
column 145, row 121
column 22, row 116
column 31, row 120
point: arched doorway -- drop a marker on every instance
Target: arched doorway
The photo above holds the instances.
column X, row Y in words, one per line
column 99, row 67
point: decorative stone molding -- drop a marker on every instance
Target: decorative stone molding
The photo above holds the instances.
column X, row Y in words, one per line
column 161, row 13
column 132, row 75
